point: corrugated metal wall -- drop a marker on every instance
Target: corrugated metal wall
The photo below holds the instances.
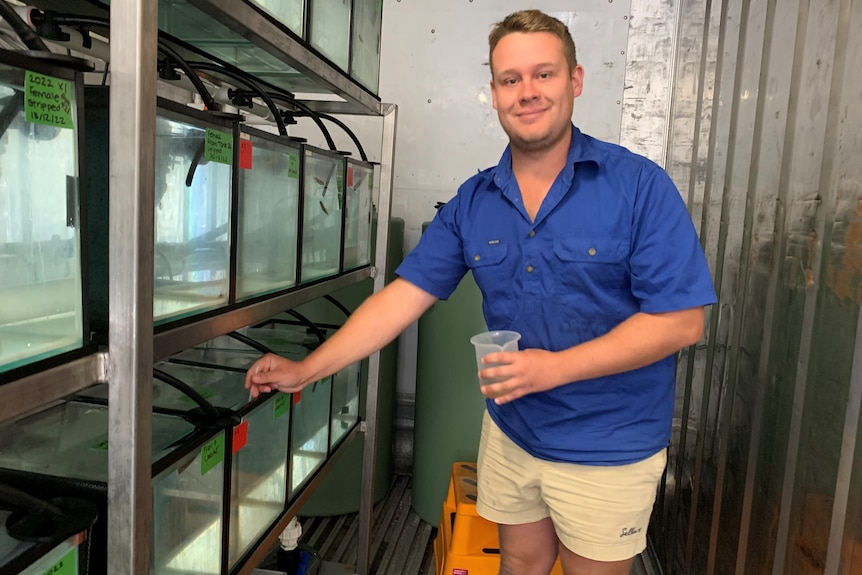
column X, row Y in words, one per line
column 765, row 143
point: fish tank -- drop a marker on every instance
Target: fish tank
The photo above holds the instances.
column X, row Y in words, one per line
column 42, row 310
column 323, row 193
column 309, row 439
column 30, row 558
column 268, row 215
column 365, row 52
column 357, row 220
column 194, row 161
column 291, row 13
column 345, row 402
column 63, row 451
column 329, row 30
column 258, row 490
column 193, row 183
column 227, row 352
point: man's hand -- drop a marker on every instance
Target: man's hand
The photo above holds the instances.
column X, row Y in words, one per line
column 523, row 372
column 274, row 373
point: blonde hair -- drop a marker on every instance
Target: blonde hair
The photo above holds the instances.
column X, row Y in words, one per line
column 529, row 21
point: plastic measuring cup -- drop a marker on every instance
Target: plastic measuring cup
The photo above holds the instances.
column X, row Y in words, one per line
column 490, row 342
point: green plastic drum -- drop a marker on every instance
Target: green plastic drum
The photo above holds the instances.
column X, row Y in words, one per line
column 449, row 406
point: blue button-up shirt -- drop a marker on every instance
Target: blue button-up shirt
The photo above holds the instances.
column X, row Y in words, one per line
column 611, row 238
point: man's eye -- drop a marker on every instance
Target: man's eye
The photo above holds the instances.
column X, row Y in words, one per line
column 544, row 75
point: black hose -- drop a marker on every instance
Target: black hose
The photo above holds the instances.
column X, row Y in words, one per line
column 253, row 343
column 27, row 35
column 337, row 304
column 209, row 102
column 248, row 81
column 311, row 114
column 24, row 501
column 310, row 324
column 341, row 125
column 187, row 390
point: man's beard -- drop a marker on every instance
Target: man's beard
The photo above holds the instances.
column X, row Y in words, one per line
column 536, row 144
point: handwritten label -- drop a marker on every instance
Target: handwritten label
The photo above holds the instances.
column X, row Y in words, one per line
column 47, row 100
column 295, row 397
column 212, row 454
column 240, row 436
column 218, row 147
column 68, row 565
column 292, row 166
column 245, row 154
column 350, row 176
column 282, row 405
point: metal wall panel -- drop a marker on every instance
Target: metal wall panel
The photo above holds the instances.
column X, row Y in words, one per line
column 764, row 143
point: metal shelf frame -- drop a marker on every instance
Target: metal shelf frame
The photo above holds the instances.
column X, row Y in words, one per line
column 132, row 346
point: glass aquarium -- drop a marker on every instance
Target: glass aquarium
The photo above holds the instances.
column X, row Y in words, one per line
column 226, row 351
column 41, row 296
column 187, row 512
column 309, row 441
column 268, row 214
column 365, row 57
column 194, row 158
column 330, row 30
column 70, row 440
column 323, row 192
column 291, row 13
column 259, row 474
column 345, row 402
column 357, row 219
column 27, row 558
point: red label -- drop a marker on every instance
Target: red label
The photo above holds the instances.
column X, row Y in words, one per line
column 459, row 572
column 295, row 396
column 245, row 154
column 349, row 177
column 240, row 436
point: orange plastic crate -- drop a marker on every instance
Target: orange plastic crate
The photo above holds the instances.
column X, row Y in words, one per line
column 467, row 544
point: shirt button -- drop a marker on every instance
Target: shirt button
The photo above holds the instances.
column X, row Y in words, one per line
column 532, row 233
column 529, row 269
column 477, row 257
column 591, row 251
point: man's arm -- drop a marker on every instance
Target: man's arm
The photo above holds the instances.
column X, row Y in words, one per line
column 379, row 320
column 640, row 340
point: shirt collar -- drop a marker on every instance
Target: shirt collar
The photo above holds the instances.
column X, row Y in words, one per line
column 581, row 149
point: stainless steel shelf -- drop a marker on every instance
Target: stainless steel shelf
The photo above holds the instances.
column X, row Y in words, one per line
column 175, row 340
column 42, row 388
column 261, row 32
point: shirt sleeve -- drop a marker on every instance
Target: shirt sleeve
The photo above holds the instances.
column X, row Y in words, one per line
column 436, row 264
column 668, row 269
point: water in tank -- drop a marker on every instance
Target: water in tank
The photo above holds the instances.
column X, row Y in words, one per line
column 291, row 13
column 192, row 214
column 357, row 222
column 330, row 30
column 268, row 214
column 41, row 301
column 365, row 56
column 323, row 192
column 309, row 440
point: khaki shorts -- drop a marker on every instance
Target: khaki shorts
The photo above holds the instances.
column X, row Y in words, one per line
column 599, row 512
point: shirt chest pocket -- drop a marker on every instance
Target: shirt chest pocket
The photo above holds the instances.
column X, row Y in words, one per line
column 592, row 264
column 491, row 267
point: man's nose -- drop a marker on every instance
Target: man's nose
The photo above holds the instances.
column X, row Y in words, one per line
column 528, row 91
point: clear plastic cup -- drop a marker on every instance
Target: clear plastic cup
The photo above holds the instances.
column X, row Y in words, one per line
column 490, row 342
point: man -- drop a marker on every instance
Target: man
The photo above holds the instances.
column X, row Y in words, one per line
column 588, row 251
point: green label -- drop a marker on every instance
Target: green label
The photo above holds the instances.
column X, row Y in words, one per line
column 379, row 5
column 218, row 147
column 292, row 166
column 101, row 446
column 371, row 180
column 212, row 454
column 206, row 394
column 68, row 565
column 282, row 404
column 47, row 100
